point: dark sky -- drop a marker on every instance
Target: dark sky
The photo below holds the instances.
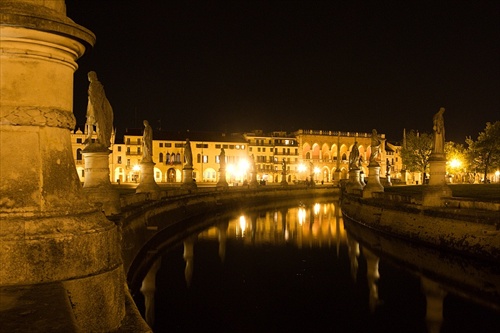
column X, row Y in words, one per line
column 283, row 65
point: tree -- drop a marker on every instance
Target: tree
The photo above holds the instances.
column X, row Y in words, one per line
column 417, row 149
column 484, row 153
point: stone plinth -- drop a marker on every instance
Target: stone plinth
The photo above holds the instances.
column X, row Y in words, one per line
column 283, row 181
column 354, row 185
column 437, row 189
column 373, row 184
column 49, row 232
column 97, row 185
column 148, row 183
column 187, row 176
column 222, row 183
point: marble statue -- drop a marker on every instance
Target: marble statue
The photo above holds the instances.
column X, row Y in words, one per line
column 99, row 112
column 188, row 154
column 354, row 156
column 222, row 159
column 147, row 142
column 438, row 128
column 375, row 147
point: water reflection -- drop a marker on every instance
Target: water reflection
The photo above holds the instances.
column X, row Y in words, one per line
column 276, row 266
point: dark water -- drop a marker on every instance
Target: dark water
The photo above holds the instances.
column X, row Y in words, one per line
column 298, row 269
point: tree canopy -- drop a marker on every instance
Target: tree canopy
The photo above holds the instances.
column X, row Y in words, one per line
column 484, row 153
column 417, row 149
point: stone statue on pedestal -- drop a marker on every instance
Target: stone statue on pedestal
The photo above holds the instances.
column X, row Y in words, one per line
column 188, row 154
column 375, row 148
column 99, row 112
column 147, row 142
column 222, row 159
column 438, row 127
column 354, row 156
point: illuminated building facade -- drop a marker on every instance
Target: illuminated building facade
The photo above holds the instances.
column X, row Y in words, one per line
column 321, row 156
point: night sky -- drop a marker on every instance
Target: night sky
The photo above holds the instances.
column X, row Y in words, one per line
column 284, row 65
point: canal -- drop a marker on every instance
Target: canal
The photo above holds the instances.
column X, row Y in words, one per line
column 300, row 267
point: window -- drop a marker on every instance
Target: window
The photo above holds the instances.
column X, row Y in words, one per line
column 139, row 150
column 167, row 158
column 161, row 144
column 78, row 154
column 128, row 150
column 198, row 158
column 128, row 161
column 225, row 146
column 168, row 145
column 231, row 146
column 160, row 158
column 119, row 148
column 128, row 141
column 138, row 141
column 119, row 161
column 79, row 140
column 205, row 159
column 264, row 149
column 250, row 149
column 217, row 146
column 179, row 145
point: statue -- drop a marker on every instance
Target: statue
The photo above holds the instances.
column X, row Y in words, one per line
column 188, row 154
column 99, row 112
column 375, row 147
column 354, row 156
column 284, row 166
column 438, row 128
column 222, row 159
column 388, row 167
column 147, row 142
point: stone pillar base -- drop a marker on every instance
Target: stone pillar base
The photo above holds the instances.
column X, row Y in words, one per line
column 433, row 195
column 148, row 183
column 187, row 176
column 354, row 185
column 97, row 185
column 373, row 185
column 222, row 183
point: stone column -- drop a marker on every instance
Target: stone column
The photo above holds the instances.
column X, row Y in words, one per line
column 354, row 185
column 187, row 178
column 373, row 184
column 49, row 233
column 97, row 185
column 222, row 183
column 148, row 183
column 437, row 189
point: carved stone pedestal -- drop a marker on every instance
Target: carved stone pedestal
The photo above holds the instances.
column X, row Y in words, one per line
column 373, row 184
column 97, row 185
column 354, row 184
column 148, row 183
column 187, row 176
column 222, row 183
column 437, row 189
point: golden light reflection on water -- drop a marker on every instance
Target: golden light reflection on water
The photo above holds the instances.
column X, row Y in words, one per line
column 318, row 224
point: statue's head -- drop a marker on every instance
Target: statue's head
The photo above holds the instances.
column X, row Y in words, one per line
column 92, row 76
column 145, row 122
